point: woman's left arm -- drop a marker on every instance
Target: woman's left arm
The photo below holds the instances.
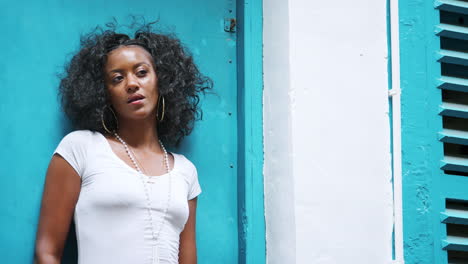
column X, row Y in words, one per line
column 187, row 246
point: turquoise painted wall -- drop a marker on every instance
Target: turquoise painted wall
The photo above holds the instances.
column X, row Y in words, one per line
column 421, row 151
column 425, row 185
column 250, row 80
column 38, row 37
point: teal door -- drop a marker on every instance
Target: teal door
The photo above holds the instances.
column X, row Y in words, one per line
column 38, row 37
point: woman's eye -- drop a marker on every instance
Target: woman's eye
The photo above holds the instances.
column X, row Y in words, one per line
column 142, row 73
column 117, row 79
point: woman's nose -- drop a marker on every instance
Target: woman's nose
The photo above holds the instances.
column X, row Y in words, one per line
column 132, row 83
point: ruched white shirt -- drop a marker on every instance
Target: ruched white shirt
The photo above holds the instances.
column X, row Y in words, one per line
column 111, row 216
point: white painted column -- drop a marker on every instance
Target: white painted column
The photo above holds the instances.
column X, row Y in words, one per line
column 278, row 175
column 328, row 194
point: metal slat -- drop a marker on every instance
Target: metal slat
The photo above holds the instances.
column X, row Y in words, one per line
column 455, row 6
column 452, row 163
column 455, row 216
column 455, row 243
column 454, row 136
column 455, row 110
column 452, row 31
column 453, row 84
column 453, row 57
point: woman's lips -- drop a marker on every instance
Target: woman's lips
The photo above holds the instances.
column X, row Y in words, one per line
column 135, row 97
column 136, row 102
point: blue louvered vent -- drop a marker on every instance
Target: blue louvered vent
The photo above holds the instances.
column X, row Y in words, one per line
column 453, row 59
column 456, row 219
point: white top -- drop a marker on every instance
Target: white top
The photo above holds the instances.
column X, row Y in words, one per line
column 111, row 216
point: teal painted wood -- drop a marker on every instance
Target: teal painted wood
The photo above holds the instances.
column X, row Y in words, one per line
column 454, row 110
column 455, row 243
column 431, row 229
column 455, row 216
column 453, row 57
column 452, row 6
column 39, row 38
column 451, row 31
column 250, row 68
column 455, row 188
column 454, row 163
column 423, row 181
column 454, row 136
column 453, row 84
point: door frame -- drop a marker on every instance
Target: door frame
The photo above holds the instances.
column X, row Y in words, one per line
column 251, row 217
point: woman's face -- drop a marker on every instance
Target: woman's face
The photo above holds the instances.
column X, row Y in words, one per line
column 131, row 81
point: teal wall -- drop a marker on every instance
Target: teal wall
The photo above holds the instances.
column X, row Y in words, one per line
column 420, row 124
column 250, row 78
column 38, row 37
column 434, row 73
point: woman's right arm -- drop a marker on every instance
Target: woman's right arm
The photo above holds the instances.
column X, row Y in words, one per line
column 61, row 191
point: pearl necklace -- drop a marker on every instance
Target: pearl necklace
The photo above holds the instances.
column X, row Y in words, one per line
column 155, row 235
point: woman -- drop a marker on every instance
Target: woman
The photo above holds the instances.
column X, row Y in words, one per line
column 132, row 201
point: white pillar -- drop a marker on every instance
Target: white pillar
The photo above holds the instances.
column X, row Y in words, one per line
column 328, row 193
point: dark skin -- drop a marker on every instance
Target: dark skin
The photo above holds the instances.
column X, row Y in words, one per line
column 129, row 70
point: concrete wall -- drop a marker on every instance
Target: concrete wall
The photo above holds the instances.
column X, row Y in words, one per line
column 328, row 193
column 279, row 183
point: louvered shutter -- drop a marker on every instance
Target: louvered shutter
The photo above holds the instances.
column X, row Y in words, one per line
column 453, row 58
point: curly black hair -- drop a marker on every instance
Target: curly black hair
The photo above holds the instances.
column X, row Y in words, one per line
column 84, row 96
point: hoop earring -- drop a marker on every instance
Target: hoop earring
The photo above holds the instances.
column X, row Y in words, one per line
column 163, row 108
column 102, row 119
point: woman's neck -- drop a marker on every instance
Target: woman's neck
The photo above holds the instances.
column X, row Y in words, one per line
column 139, row 134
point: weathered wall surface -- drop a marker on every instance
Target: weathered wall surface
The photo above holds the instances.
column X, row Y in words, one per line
column 328, row 196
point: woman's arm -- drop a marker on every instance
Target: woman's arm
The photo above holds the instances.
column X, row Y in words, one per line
column 188, row 247
column 61, row 191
